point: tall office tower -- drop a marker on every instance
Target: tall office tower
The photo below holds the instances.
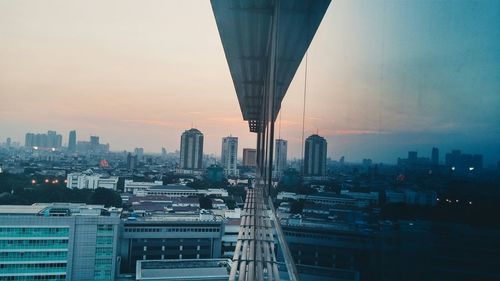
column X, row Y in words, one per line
column 249, row 157
column 229, row 154
column 53, row 140
column 280, row 152
column 94, row 141
column 435, row 156
column 72, row 141
column 131, row 161
column 29, row 140
column 315, row 156
column 139, row 152
column 8, row 142
column 163, row 153
column 191, row 150
column 58, row 241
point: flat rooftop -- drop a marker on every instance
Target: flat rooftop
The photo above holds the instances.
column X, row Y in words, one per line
column 189, row 269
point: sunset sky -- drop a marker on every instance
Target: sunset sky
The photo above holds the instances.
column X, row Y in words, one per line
column 384, row 77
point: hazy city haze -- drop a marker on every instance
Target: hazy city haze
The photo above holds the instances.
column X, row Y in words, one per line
column 384, row 77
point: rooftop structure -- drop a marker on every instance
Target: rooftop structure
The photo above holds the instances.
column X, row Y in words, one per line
column 184, row 270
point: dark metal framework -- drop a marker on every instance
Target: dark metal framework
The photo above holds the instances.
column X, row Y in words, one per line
column 264, row 42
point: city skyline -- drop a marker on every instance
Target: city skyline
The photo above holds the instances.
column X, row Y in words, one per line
column 367, row 92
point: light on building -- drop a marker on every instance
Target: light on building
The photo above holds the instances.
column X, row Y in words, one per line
column 53, row 149
column 453, row 168
column 46, row 180
column 471, row 168
column 470, row 202
column 33, row 181
column 35, row 147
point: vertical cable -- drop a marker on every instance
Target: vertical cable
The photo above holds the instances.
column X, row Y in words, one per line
column 304, row 116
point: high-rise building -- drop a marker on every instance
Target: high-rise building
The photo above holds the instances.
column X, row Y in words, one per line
column 131, row 161
column 49, row 140
column 249, row 157
column 8, row 142
column 229, row 154
column 58, row 241
column 191, row 157
column 280, row 152
column 94, row 140
column 139, row 152
column 435, row 156
column 72, row 141
column 29, row 140
column 315, row 156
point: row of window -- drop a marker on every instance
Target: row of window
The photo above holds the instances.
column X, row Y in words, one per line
column 33, row 231
column 198, row 229
column 15, row 256
column 34, row 265
column 34, row 278
column 33, row 244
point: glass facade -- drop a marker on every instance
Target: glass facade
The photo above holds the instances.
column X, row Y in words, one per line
column 104, row 252
column 33, row 253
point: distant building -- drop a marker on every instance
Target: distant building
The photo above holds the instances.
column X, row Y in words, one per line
column 229, row 154
column 280, row 153
column 315, row 156
column 43, row 141
column 58, row 241
column 139, row 152
column 93, row 146
column 131, row 161
column 178, row 190
column 249, row 157
column 94, row 140
column 435, row 156
column 134, row 186
column 191, row 156
column 91, row 181
column 72, row 141
column 460, row 162
column 8, row 142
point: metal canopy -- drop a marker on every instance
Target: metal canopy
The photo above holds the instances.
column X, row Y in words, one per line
column 245, row 28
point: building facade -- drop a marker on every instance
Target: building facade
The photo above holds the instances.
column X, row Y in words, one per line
column 280, row 153
column 59, row 241
column 191, row 157
column 315, row 156
column 169, row 239
column 229, row 155
column 91, row 181
column 72, row 141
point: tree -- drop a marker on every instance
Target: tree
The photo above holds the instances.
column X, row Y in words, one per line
column 205, row 202
column 106, row 197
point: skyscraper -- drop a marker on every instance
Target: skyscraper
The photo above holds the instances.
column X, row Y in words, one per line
column 280, row 152
column 249, row 157
column 229, row 153
column 191, row 150
column 139, row 152
column 315, row 156
column 94, row 140
column 72, row 141
column 435, row 156
column 49, row 140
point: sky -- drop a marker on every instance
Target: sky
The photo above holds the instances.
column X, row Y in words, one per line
column 384, row 77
